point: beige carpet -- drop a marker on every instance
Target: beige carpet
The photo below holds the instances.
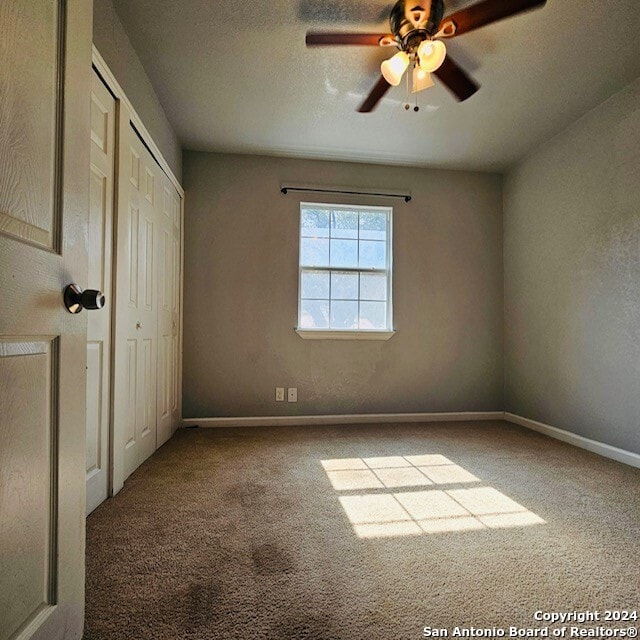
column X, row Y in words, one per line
column 360, row 532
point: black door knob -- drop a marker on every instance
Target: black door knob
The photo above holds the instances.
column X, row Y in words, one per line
column 75, row 299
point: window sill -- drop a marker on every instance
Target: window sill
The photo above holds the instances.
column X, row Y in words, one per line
column 323, row 334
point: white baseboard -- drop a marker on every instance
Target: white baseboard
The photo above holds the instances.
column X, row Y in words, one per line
column 358, row 418
column 606, row 450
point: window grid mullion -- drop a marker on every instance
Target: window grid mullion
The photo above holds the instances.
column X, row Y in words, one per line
column 330, row 297
column 330, row 265
column 358, row 258
column 345, row 269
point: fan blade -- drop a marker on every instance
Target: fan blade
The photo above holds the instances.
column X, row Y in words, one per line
column 371, row 101
column 456, row 79
column 315, row 39
column 483, row 13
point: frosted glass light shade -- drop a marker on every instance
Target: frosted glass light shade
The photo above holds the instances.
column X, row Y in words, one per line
column 421, row 80
column 432, row 54
column 394, row 68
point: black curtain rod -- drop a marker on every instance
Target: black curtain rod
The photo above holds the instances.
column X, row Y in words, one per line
column 404, row 196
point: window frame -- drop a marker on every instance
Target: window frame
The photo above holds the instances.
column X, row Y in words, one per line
column 348, row 334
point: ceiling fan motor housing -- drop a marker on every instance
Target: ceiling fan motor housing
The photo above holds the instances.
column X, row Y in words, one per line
column 412, row 21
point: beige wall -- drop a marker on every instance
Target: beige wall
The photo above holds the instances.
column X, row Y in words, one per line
column 241, row 284
column 572, row 277
column 115, row 47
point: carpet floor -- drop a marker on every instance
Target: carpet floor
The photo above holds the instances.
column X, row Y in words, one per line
column 361, row 532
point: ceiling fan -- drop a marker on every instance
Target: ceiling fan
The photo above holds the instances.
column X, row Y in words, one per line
column 418, row 28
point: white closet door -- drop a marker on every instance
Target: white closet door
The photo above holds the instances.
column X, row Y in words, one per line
column 169, row 260
column 99, row 324
column 176, row 323
column 136, row 326
column 148, row 300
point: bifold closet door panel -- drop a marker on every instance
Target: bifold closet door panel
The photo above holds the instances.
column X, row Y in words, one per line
column 178, row 255
column 148, row 302
column 169, row 260
column 136, row 318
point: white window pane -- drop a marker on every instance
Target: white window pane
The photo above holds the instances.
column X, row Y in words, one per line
column 344, row 315
column 314, row 284
column 314, row 223
column 344, row 286
column 314, row 252
column 373, row 315
column 373, row 254
column 373, row 226
column 344, row 270
column 344, row 253
column 344, row 224
column 314, row 314
column 373, row 286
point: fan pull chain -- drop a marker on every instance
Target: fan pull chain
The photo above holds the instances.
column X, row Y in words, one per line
column 406, row 106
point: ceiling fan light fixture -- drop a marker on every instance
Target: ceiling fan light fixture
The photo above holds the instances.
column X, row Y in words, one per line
column 393, row 69
column 421, row 80
column 432, row 54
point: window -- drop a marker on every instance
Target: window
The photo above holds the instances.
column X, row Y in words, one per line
column 345, row 272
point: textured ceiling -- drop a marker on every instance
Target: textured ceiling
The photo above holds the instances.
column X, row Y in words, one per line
column 237, row 77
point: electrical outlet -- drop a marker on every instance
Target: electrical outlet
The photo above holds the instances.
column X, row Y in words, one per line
column 279, row 394
column 292, row 394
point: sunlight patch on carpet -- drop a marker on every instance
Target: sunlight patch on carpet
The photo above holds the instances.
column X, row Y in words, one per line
column 381, row 514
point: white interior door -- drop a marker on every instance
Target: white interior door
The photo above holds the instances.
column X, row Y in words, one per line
column 45, row 54
column 103, row 111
